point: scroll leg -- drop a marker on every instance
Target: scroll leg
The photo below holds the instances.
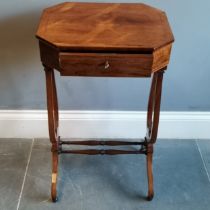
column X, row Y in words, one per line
column 52, row 106
column 55, row 103
column 151, row 103
column 152, row 125
column 150, row 173
column 153, row 112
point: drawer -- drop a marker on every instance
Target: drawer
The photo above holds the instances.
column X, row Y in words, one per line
column 105, row 65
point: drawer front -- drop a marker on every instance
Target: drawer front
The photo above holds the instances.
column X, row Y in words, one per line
column 105, row 65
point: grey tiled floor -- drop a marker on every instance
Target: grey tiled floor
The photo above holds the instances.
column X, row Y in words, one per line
column 181, row 172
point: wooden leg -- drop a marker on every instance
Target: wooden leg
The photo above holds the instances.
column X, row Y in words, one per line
column 153, row 113
column 151, row 102
column 54, row 176
column 52, row 106
column 55, row 103
column 149, row 172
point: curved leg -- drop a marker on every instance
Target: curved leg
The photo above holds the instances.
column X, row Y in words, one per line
column 153, row 113
column 55, row 103
column 52, row 106
column 150, row 107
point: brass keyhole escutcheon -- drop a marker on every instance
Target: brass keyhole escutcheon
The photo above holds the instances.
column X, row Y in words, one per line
column 106, row 66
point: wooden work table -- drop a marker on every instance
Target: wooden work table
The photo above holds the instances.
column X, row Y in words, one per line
column 104, row 40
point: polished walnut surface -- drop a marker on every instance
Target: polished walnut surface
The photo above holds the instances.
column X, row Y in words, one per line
column 111, row 27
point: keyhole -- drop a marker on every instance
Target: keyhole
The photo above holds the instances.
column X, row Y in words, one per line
column 106, row 65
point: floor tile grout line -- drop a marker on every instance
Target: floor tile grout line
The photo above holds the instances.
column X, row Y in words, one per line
column 24, row 178
column 204, row 164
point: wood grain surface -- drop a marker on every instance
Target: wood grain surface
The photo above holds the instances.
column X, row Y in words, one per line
column 105, row 26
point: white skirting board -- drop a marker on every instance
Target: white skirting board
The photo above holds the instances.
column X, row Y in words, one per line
column 103, row 124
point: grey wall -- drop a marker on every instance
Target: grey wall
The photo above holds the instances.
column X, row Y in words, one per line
column 186, row 85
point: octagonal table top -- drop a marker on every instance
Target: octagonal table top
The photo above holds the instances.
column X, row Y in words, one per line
column 113, row 27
